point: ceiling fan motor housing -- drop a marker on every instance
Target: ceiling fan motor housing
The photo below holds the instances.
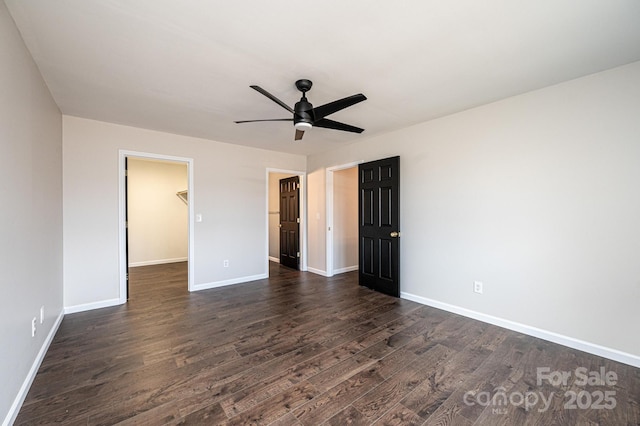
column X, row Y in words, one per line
column 303, row 112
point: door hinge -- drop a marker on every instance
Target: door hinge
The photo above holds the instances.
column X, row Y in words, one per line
column 298, row 220
column 298, row 254
column 297, row 186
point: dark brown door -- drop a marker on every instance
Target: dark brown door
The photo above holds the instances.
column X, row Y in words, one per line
column 290, row 222
column 379, row 225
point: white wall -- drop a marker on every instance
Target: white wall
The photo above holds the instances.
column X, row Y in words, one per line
column 229, row 192
column 31, row 216
column 274, row 218
column 536, row 196
column 158, row 219
column 345, row 220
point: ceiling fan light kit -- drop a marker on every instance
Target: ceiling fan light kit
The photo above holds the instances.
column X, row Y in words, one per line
column 303, row 126
column 305, row 116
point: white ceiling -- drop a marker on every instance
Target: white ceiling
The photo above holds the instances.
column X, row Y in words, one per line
column 185, row 66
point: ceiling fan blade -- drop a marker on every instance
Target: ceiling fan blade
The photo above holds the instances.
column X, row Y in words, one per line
column 273, row 98
column 330, row 124
column 323, row 110
column 269, row 119
column 299, row 134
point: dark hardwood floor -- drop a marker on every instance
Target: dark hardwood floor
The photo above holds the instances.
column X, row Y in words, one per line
column 302, row 349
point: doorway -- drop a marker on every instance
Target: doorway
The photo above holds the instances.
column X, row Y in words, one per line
column 342, row 219
column 273, row 212
column 148, row 250
column 289, row 224
column 378, row 218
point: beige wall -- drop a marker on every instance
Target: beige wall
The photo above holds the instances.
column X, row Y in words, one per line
column 536, row 196
column 158, row 219
column 31, row 216
column 229, row 192
column 345, row 220
column 316, row 221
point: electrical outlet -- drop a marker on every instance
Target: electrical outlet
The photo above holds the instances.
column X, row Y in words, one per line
column 42, row 314
column 225, row 263
column 33, row 326
column 477, row 287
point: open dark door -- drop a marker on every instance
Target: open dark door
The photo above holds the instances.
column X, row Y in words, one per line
column 290, row 222
column 379, row 225
column 126, row 221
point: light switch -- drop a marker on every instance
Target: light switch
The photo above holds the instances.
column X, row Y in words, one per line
column 198, row 218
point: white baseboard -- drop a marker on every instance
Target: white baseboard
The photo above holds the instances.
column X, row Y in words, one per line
column 216, row 284
column 346, row 269
column 24, row 389
column 90, row 306
column 317, row 271
column 550, row 336
column 274, row 259
column 158, row 262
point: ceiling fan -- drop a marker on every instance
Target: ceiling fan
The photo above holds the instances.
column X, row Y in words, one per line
column 305, row 116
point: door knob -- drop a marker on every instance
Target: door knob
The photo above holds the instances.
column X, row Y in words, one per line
column 394, row 234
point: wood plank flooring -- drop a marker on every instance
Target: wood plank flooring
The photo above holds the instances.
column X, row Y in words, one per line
column 300, row 349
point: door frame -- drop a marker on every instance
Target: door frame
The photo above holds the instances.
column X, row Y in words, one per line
column 329, row 191
column 122, row 243
column 303, row 215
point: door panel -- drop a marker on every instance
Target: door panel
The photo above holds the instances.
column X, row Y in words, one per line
column 367, row 210
column 379, row 228
column 386, row 214
column 386, row 267
column 367, row 254
column 290, row 222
